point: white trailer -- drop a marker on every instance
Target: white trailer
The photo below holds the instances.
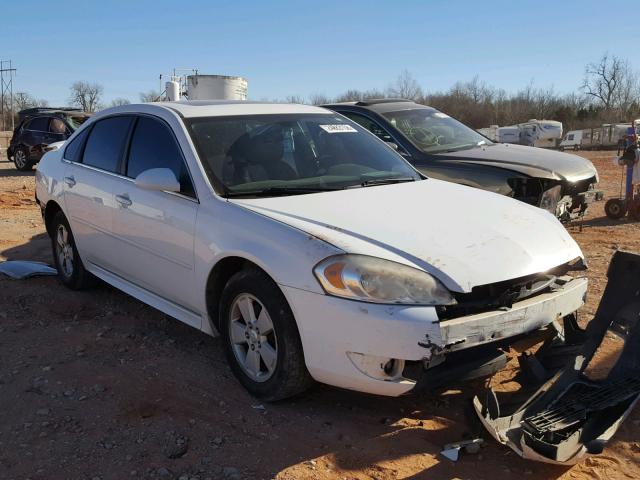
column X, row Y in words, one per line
column 534, row 133
column 510, row 134
column 572, row 140
column 541, row 133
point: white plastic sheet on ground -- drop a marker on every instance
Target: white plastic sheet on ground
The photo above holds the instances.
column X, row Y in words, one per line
column 20, row 269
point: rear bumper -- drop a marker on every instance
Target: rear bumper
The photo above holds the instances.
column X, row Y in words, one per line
column 366, row 347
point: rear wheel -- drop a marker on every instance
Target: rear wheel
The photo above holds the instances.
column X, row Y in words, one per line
column 21, row 159
column 70, row 268
column 261, row 337
column 615, row 208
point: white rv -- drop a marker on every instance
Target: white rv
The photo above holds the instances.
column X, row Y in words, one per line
column 534, row 133
column 540, row 133
column 572, row 140
column 510, row 134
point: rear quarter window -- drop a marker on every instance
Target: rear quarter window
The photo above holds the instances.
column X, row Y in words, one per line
column 73, row 152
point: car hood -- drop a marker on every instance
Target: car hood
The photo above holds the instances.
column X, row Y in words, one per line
column 463, row 236
column 532, row 161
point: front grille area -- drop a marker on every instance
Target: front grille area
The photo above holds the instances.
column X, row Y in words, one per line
column 501, row 295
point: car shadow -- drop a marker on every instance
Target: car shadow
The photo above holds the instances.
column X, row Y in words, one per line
column 37, row 248
column 603, row 221
column 325, row 432
column 12, row 172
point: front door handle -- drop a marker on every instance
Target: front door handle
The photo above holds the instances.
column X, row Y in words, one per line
column 70, row 181
column 123, row 200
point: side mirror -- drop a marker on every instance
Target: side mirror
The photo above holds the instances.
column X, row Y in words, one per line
column 160, row 179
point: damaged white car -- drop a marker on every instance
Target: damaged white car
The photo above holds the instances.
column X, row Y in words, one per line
column 314, row 249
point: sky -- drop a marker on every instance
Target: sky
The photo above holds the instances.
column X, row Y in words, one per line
column 309, row 47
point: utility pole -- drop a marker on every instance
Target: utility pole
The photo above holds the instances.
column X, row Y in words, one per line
column 6, row 91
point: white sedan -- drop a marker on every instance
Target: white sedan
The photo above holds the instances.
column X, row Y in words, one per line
column 311, row 246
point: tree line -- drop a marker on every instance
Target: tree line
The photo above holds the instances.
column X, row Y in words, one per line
column 609, row 93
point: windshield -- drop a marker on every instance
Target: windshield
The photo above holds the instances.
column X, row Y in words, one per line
column 434, row 132
column 293, row 154
column 75, row 121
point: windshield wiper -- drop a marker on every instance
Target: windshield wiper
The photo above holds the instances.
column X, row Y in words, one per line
column 386, row 181
column 275, row 191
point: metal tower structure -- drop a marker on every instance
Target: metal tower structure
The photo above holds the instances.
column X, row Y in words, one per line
column 6, row 92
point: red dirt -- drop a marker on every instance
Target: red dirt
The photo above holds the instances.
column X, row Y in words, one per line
column 97, row 385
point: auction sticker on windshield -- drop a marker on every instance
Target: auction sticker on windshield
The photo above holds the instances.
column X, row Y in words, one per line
column 339, row 128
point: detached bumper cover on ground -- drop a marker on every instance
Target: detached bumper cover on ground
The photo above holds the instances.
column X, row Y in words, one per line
column 569, row 415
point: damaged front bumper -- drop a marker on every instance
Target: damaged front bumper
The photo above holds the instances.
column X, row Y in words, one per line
column 567, row 414
column 394, row 349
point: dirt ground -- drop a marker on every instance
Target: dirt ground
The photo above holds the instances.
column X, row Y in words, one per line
column 96, row 385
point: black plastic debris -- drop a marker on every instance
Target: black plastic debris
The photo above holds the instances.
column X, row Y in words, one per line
column 568, row 415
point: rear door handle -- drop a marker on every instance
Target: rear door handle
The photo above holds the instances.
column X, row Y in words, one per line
column 70, row 181
column 123, row 200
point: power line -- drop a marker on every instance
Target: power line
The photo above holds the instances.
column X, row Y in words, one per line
column 6, row 91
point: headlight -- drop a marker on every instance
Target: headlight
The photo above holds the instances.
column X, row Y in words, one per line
column 371, row 279
column 550, row 198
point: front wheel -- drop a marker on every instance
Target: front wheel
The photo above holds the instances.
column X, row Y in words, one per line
column 261, row 337
column 21, row 159
column 70, row 268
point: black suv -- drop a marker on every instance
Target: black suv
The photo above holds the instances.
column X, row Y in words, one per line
column 38, row 128
column 442, row 147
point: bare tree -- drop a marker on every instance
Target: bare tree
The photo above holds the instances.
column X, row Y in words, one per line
column 318, row 99
column 86, row 95
column 116, row 102
column 150, row 96
column 406, row 86
column 23, row 100
column 294, row 99
column 604, row 79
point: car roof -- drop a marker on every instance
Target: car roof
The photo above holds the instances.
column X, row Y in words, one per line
column 381, row 105
column 213, row 108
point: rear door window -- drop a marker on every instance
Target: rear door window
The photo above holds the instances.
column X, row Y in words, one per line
column 153, row 145
column 106, row 142
column 39, row 124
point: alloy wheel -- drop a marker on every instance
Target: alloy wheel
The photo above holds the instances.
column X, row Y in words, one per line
column 253, row 338
column 64, row 251
column 20, row 158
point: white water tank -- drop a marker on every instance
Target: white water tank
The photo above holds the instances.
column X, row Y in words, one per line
column 216, row 87
column 172, row 90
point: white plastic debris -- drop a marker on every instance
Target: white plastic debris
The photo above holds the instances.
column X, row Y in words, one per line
column 20, row 269
column 452, row 450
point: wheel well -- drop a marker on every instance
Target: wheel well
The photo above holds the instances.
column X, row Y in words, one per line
column 49, row 212
column 218, row 278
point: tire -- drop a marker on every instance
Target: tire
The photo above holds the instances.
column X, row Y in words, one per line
column 21, row 159
column 71, row 271
column 615, row 208
column 272, row 341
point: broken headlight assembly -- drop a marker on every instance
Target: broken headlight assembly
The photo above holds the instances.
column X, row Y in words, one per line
column 374, row 280
column 550, row 198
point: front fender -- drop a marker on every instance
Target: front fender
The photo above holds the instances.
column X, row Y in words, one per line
column 286, row 254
